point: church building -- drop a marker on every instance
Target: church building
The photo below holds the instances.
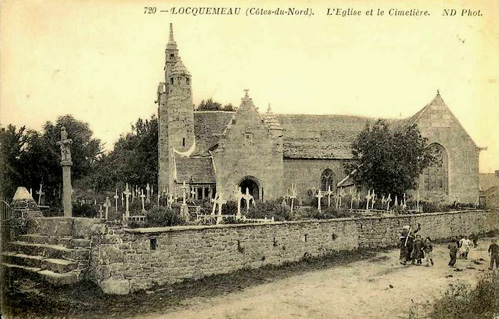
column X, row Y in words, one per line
column 218, row 151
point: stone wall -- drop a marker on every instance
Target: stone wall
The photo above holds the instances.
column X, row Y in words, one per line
column 134, row 259
column 439, row 125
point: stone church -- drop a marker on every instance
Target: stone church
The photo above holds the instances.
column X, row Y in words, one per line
column 218, row 152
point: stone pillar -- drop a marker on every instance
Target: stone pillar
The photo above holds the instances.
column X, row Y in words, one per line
column 66, row 163
column 66, row 189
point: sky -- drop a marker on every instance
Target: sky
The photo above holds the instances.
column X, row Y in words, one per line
column 101, row 61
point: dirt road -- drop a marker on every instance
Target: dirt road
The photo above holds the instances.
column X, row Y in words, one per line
column 375, row 288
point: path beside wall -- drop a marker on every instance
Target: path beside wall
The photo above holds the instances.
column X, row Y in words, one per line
column 126, row 260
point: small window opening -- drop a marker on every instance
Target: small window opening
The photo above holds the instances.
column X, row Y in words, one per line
column 171, row 81
column 187, row 80
column 172, row 56
column 153, row 243
column 183, row 142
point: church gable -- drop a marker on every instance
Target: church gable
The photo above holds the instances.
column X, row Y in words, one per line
column 249, row 148
column 436, row 118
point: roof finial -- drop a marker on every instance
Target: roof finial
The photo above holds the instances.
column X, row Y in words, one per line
column 246, row 94
column 438, row 92
column 171, row 32
column 268, row 109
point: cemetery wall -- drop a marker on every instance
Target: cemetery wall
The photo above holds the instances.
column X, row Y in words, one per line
column 125, row 260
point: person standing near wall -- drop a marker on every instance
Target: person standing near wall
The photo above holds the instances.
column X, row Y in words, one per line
column 494, row 254
column 453, row 252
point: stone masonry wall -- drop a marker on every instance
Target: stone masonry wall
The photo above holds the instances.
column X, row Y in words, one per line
column 134, row 259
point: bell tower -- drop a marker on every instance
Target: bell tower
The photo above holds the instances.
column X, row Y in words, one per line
column 175, row 114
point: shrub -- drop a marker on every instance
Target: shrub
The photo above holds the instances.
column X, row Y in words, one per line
column 230, row 208
column 163, row 217
column 461, row 301
column 85, row 210
column 269, row 209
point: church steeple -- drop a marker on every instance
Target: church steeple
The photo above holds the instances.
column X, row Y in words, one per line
column 171, row 54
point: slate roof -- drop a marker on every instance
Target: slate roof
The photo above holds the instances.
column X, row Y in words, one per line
column 304, row 136
column 200, row 169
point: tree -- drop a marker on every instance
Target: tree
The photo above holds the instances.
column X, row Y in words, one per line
column 210, row 105
column 388, row 161
column 133, row 160
column 12, row 142
column 32, row 158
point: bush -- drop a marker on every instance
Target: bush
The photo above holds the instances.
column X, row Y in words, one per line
column 461, row 301
column 328, row 213
column 269, row 209
column 85, row 210
column 230, row 208
column 163, row 217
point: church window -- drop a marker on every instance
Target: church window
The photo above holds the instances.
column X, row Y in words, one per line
column 172, row 56
column 187, row 80
column 171, row 81
column 327, row 180
column 183, row 142
column 436, row 176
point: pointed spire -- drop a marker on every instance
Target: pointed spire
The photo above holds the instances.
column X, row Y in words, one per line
column 171, row 39
column 438, row 92
column 268, row 109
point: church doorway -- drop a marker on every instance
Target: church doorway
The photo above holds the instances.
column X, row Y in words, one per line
column 251, row 184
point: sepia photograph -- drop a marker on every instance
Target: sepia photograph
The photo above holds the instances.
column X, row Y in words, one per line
column 267, row 159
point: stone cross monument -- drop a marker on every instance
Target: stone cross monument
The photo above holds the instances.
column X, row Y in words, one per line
column 66, row 164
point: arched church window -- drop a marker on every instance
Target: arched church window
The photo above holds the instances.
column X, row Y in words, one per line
column 187, row 80
column 436, row 176
column 171, row 81
column 172, row 56
column 327, row 180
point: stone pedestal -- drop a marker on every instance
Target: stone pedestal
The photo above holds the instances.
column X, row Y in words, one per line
column 184, row 212
column 66, row 188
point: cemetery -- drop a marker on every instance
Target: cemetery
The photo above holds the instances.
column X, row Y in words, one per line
column 142, row 238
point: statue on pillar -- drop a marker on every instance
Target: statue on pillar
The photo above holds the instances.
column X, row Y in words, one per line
column 65, row 148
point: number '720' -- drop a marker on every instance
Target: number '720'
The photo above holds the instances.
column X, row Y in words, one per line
column 149, row 10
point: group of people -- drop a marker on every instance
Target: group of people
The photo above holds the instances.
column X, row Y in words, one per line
column 413, row 249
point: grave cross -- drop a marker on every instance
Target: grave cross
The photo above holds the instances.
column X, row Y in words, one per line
column 184, row 192
column 368, row 197
column 193, row 193
column 396, row 201
column 170, row 200
column 293, row 195
column 417, row 201
column 40, row 193
column 127, row 194
column 404, row 203
column 248, row 197
column 328, row 194
column 319, row 196
column 341, row 194
column 388, row 200
column 239, row 197
column 220, row 202
column 142, row 196
column 116, row 200
column 100, row 211
column 352, row 196
column 373, row 200
column 107, row 204
column 148, row 192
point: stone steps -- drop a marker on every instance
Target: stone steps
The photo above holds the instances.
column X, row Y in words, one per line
column 48, row 251
column 65, row 241
column 55, row 265
column 56, row 279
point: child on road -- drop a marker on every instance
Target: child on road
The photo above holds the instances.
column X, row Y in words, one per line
column 452, row 252
column 428, row 251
